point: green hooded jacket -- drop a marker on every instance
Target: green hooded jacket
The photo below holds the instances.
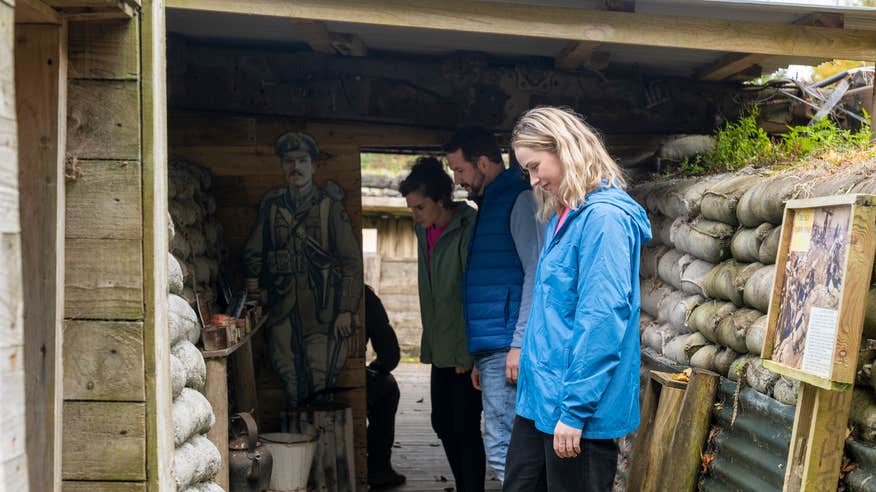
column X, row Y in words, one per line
column 444, row 343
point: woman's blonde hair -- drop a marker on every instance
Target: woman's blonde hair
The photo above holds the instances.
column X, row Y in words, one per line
column 586, row 163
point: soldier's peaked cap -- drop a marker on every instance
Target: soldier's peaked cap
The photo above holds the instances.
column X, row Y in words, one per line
column 296, row 142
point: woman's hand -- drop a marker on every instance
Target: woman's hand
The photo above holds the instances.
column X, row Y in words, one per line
column 567, row 441
column 475, row 378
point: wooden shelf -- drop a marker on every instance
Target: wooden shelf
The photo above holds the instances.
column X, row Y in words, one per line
column 215, row 354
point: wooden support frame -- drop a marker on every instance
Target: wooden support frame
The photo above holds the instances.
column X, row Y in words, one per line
column 159, row 421
column 83, row 10
column 857, row 235
column 41, row 88
column 568, row 23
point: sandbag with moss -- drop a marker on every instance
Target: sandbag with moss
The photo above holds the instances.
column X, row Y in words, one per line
column 759, row 287
column 705, row 239
column 720, row 199
column 732, row 330
column 727, row 280
column 706, row 317
column 746, row 243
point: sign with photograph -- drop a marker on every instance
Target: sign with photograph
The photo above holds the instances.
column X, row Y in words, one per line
column 819, row 295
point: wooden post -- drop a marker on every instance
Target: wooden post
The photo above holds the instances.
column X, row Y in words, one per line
column 817, row 439
column 41, row 83
column 681, row 470
column 216, row 391
column 243, row 375
column 659, row 416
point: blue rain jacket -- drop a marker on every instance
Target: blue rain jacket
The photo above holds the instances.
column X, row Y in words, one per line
column 579, row 362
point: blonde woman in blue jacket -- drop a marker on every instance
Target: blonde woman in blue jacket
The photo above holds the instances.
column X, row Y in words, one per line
column 579, row 365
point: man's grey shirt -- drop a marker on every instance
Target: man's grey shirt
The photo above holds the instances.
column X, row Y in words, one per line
column 528, row 235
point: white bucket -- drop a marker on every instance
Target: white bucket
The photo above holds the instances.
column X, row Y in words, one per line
column 293, row 455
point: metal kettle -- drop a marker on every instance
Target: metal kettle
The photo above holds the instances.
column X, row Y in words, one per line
column 249, row 463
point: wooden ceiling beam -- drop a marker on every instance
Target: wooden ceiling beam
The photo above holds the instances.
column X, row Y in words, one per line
column 35, row 12
column 734, row 63
column 85, row 10
column 315, row 34
column 620, row 5
column 348, row 44
column 578, row 53
column 567, row 23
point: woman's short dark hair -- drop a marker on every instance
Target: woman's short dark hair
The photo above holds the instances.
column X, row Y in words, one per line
column 428, row 178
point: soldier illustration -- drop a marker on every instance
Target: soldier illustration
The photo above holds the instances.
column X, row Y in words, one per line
column 303, row 251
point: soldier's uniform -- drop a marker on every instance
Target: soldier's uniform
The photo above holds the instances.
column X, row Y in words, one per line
column 304, row 252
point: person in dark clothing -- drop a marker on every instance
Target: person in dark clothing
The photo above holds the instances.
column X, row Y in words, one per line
column 382, row 391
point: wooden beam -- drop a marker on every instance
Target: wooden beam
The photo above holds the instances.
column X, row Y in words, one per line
column 568, row 23
column 316, row 35
column 35, row 12
column 156, row 340
column 348, row 44
column 41, row 82
column 82, row 10
column 734, row 63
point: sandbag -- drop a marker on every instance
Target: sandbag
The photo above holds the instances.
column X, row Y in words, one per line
column 862, row 416
column 656, row 336
column 652, row 292
column 174, row 275
column 683, row 199
column 177, row 376
column 188, row 294
column 760, row 378
column 661, row 229
column 205, row 487
column 664, row 309
column 651, row 254
column 693, row 343
column 739, row 365
column 694, row 275
column 182, row 321
column 180, row 247
column 733, row 328
column 213, row 232
column 203, row 272
column 704, row 239
column 746, row 243
column 171, row 231
column 759, row 287
column 680, row 312
column 727, row 280
column 184, row 213
column 674, row 350
column 193, row 364
column 706, row 317
column 196, row 240
column 192, row 414
column 196, row 460
column 786, row 389
column 672, row 265
column 720, row 199
column 765, row 200
column 756, row 335
column 704, row 358
column 724, row 359
column 769, row 248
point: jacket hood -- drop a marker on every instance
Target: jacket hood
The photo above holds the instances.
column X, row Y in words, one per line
column 617, row 197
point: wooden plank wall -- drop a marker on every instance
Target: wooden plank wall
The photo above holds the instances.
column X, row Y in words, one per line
column 40, row 76
column 13, row 457
column 104, row 377
column 239, row 151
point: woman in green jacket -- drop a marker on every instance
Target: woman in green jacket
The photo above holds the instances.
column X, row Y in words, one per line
column 443, row 231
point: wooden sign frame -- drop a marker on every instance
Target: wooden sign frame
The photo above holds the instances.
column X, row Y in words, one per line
column 819, row 295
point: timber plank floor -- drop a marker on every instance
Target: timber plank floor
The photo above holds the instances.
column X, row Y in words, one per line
column 417, row 453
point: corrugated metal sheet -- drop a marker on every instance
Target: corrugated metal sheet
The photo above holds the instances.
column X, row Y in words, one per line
column 750, row 454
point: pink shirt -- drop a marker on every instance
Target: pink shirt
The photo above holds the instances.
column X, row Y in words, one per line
column 561, row 220
column 432, row 235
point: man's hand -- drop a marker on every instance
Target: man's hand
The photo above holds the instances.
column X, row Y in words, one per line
column 344, row 325
column 512, row 365
column 567, row 441
column 475, row 378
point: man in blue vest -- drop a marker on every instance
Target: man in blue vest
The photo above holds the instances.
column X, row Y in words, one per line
column 499, row 277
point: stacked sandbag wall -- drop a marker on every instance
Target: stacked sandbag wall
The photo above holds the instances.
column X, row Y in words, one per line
column 707, row 275
column 196, row 460
column 198, row 243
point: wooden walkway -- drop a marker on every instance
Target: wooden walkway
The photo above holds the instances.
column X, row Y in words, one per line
column 417, row 453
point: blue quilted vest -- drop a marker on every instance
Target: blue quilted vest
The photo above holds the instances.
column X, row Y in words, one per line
column 493, row 280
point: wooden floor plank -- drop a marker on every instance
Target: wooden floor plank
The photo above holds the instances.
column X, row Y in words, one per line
column 417, row 453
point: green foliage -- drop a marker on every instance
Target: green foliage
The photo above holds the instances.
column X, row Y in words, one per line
column 743, row 143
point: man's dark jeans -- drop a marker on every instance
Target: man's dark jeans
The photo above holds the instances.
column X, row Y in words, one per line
column 456, row 418
column 383, row 396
